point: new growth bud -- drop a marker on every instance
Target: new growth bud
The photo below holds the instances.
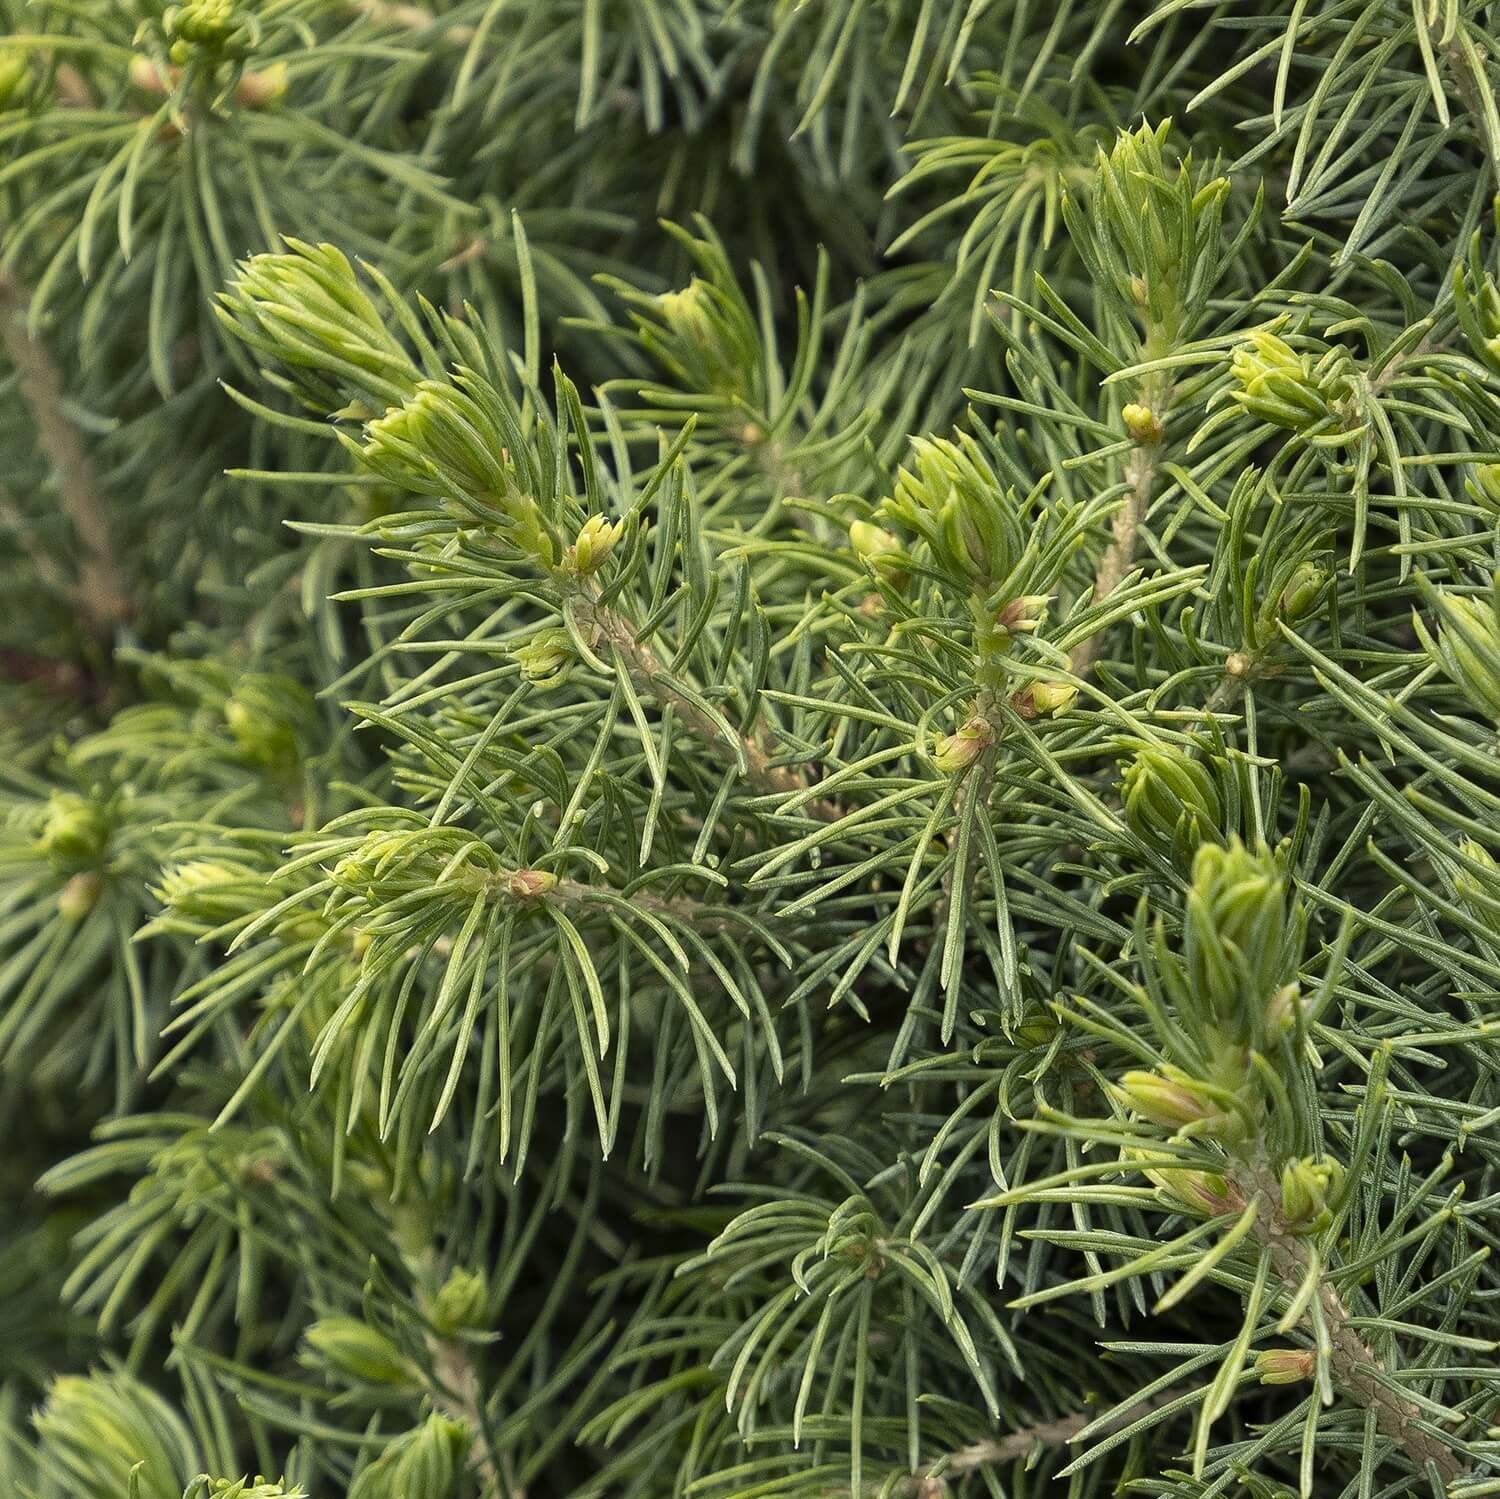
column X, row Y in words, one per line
column 1175, row 1100
column 269, row 716
column 1203, row 1193
column 1151, row 222
column 1024, row 616
column 75, row 831
column 1235, row 946
column 959, row 750
column 1308, row 1189
column 1171, row 800
column 446, row 439
column 304, row 310
column 1303, row 589
column 15, row 77
column 547, row 658
column 420, row 1464
column 1045, row 699
column 1484, row 487
column 1480, row 892
column 208, row 892
column 353, row 1349
column 1143, row 424
column 596, row 540
column 1285, row 1365
column 1278, row 385
column 949, row 495
column 871, row 543
column 703, row 340
column 460, row 1302
column 1477, row 299
column 1467, row 647
column 210, row 26
column 259, row 1487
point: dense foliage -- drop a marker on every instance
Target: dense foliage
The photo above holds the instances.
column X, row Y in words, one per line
column 750, row 749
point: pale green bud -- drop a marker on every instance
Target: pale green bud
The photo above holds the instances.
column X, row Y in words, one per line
column 353, row 1349
column 1204, row 1193
column 1045, row 699
column 596, row 540
column 1234, row 940
column 114, row 1437
column 1303, row 589
column 1484, row 487
column 1142, row 423
column 460, row 1301
column 1477, row 300
column 268, row 715
column 1281, row 1012
column 689, row 312
column 1151, row 223
column 419, row 1464
column 304, row 308
column 873, row 543
column 445, row 439
column 209, row 24
column 1024, row 615
column 1308, row 1188
column 1285, row 1365
column 960, row 749
column 703, row 339
column 1480, row 892
column 952, row 498
column 75, row 831
column 1173, row 1099
column 1468, row 647
column 433, row 442
column 209, row 891
column 547, row 658
column 1280, row 386
column 1171, row 800
column 259, row 1487
column 15, row 77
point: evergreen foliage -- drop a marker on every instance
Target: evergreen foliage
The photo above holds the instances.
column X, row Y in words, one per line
column 750, row 749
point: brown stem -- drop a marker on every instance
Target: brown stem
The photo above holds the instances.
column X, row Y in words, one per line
column 1354, row 1363
column 685, row 912
column 1017, row 1445
column 100, row 594
column 62, row 679
column 649, row 675
column 1232, row 684
column 459, row 1399
column 1119, row 557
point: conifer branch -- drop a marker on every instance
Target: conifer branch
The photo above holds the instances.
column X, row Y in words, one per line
column 1354, row 1363
column 1016, row 1445
column 100, row 595
column 459, row 1398
column 1140, row 478
column 649, row 675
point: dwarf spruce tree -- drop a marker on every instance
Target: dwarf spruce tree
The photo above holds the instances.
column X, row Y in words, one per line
column 750, row 750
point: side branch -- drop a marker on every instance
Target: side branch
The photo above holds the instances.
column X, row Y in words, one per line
column 1355, row 1367
column 649, row 675
column 100, row 594
column 1119, row 558
column 1017, row 1445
